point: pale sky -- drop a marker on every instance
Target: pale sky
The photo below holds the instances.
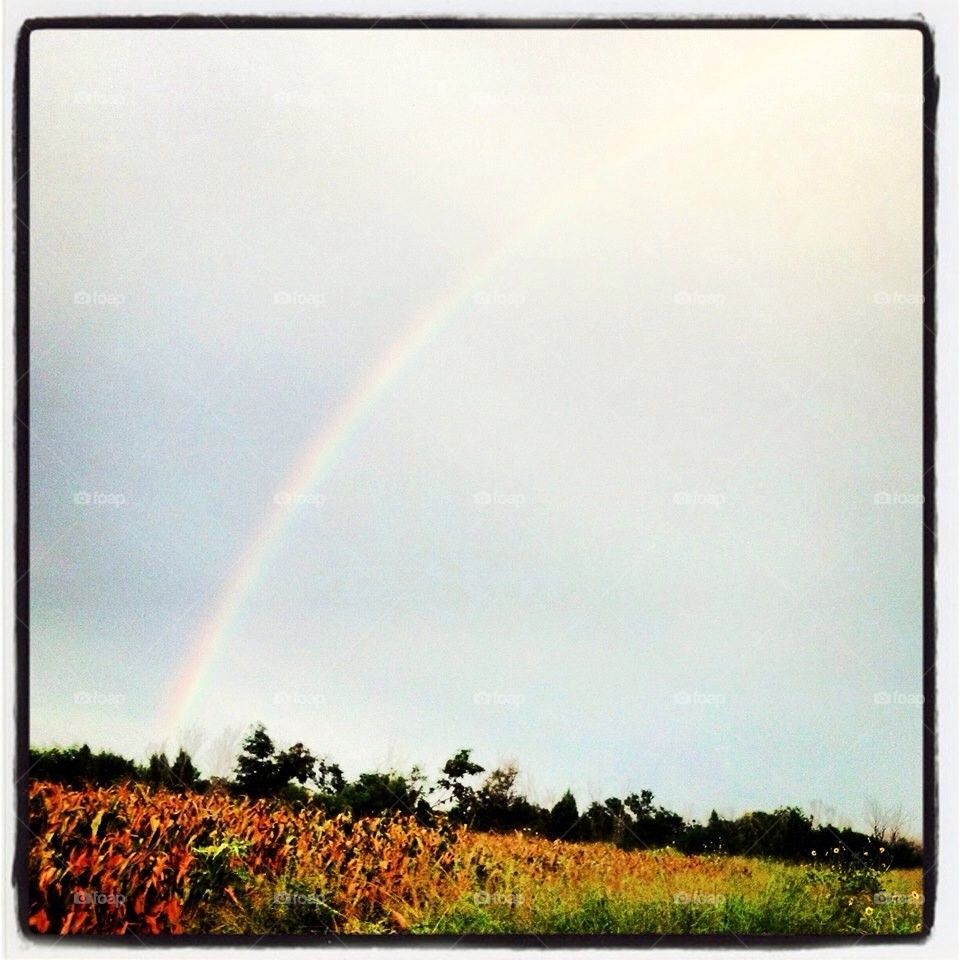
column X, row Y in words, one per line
column 616, row 519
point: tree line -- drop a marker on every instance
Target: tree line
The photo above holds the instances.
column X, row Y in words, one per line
column 468, row 794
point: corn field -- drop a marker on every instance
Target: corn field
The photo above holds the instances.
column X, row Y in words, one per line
column 132, row 860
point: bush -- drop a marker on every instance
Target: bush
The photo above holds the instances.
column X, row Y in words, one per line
column 76, row 766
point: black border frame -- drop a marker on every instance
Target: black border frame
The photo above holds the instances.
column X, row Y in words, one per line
column 21, row 199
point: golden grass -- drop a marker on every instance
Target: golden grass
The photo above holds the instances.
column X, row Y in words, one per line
column 133, row 860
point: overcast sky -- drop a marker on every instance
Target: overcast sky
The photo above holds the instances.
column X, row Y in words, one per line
column 617, row 519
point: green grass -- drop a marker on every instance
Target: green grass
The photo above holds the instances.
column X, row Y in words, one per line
column 790, row 900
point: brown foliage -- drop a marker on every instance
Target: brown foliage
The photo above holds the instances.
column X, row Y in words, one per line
column 128, row 859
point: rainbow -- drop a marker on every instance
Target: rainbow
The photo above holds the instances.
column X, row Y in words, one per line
column 321, row 456
column 326, row 448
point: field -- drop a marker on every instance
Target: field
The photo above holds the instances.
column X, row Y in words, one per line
column 131, row 860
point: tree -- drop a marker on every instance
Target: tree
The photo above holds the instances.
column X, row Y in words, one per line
column 295, row 763
column 462, row 796
column 77, row 766
column 618, row 820
column 640, row 806
column 379, row 794
column 596, row 823
column 564, row 818
column 886, row 823
column 498, row 788
column 262, row 772
column 498, row 806
column 185, row 774
column 159, row 773
column 329, row 777
column 256, row 769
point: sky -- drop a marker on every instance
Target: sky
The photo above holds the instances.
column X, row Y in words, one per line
column 555, row 394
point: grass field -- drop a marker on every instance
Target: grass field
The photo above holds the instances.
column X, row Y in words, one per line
column 133, row 860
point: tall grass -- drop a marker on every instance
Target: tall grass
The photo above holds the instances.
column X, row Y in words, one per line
column 130, row 860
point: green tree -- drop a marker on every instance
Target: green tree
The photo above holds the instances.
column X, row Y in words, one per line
column 185, row 774
column 76, row 766
column 498, row 805
column 461, row 795
column 263, row 771
column 159, row 773
column 329, row 777
column 564, row 818
column 381, row 794
column 256, row 770
column 295, row 763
